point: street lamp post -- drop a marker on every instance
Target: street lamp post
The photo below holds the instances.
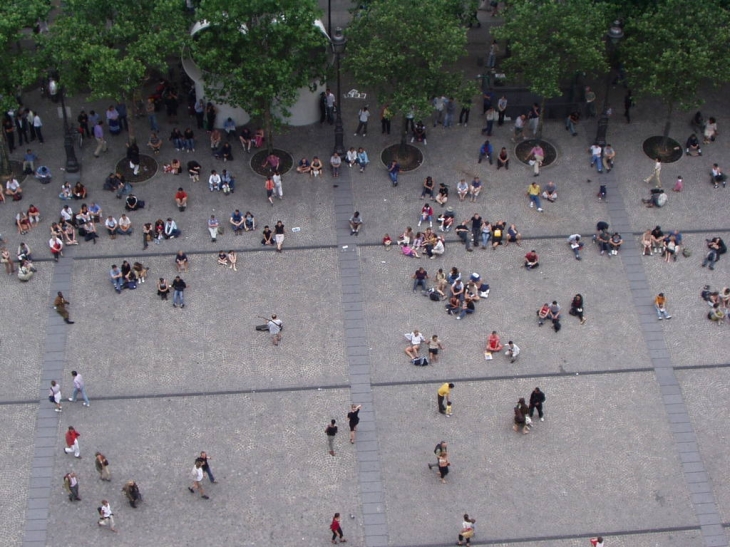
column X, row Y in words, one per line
column 338, row 46
column 72, row 164
column 613, row 37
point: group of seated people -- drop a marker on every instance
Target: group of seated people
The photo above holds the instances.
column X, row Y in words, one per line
column 314, row 168
column 656, row 241
column 116, row 183
column 462, row 296
column 24, row 220
column 411, row 244
column 719, row 302
column 84, row 221
column 128, row 276
column 228, row 259
column 419, row 133
column 78, row 191
column 122, row 227
column 242, row 222
column 247, row 139
column 161, row 229
column 607, row 242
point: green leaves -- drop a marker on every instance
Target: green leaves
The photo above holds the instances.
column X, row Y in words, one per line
column 402, row 49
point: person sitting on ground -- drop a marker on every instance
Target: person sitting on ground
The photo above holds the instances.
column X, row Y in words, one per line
column 268, row 238
column 155, row 143
column 125, row 225
column 316, row 167
column 503, row 159
column 237, row 222
column 409, row 251
column 419, row 133
column 225, row 153
column 513, row 236
column 22, row 222
column 717, row 248
column 554, row 314
column 112, row 226
column 258, row 139
column 464, row 233
column 453, row 306
column 273, row 161
column 229, row 126
column 66, row 191
column 467, row 308
column 175, row 166
column 657, row 238
column 575, row 245
column 462, row 189
column 692, row 148
column 716, row 313
column 171, row 230
column 25, row 270
column 615, row 243
column 387, row 242
column 194, row 169
column 531, row 260
column 245, row 138
column 718, row 177
column 222, row 258
column 163, row 288
column 608, row 156
column 646, row 243
column 446, row 220
column 603, row 239
column 415, row 340
column 710, row 131
column 140, row 271
column 181, row 261
column 304, row 166
column 435, row 247
column 351, row 157
column 493, row 344
column 475, row 189
column 498, row 233
column 443, row 194
column 215, row 139
column 670, row 248
column 355, row 223
column 551, row 192
column 249, row 222
column 24, row 253
column 181, row 199
column 335, row 163
column 542, row 314
column 79, row 191
column 132, row 203
column 228, row 182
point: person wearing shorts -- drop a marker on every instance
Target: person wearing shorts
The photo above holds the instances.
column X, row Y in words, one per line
column 279, row 235
column 353, row 417
column 434, row 345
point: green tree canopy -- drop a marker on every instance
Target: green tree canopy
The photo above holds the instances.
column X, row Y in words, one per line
column 670, row 51
column 109, row 46
column 550, row 40
column 258, row 54
column 401, row 51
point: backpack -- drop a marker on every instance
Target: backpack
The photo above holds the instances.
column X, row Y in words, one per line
column 686, row 252
column 556, row 325
column 433, row 295
column 497, row 233
column 420, row 361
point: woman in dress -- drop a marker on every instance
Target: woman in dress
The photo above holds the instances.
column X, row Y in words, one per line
column 353, row 418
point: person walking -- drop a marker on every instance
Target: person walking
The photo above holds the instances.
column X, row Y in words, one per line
column 537, row 398
column 440, row 447
column 54, row 395
column 178, row 292
column 79, row 387
column 72, row 442
column 203, row 458
column 353, row 417
column 444, row 464
column 331, row 431
column 660, row 304
column 275, row 326
column 106, row 516
column 467, row 530
column 101, row 145
column 337, row 529
column 656, row 173
column 102, row 467
column 197, row 475
column 443, row 395
column 71, row 484
column 131, row 491
column 59, row 304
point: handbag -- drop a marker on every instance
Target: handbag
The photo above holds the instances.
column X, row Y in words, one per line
column 220, row 230
column 467, row 533
column 52, row 399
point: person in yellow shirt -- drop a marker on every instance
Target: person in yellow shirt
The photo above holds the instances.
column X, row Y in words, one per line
column 443, row 394
column 533, row 192
column 660, row 303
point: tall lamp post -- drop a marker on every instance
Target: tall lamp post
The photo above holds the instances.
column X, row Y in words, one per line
column 338, row 46
column 72, row 164
column 613, row 37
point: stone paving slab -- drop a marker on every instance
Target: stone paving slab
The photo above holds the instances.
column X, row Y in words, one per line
column 515, row 296
column 18, row 430
column 617, row 461
column 703, row 389
column 277, row 454
column 210, row 345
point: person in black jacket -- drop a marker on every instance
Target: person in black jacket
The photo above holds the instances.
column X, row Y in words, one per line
column 716, row 248
column 537, row 398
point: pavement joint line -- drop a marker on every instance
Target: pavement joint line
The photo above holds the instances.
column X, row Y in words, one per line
column 664, row 374
column 375, row 532
column 45, row 424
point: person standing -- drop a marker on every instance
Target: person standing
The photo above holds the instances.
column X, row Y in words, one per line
column 337, row 529
column 71, row 484
column 590, row 102
column 444, row 464
column 467, row 530
column 106, row 515
column 79, row 387
column 102, row 467
column 54, row 395
column 537, row 398
column 203, row 458
column 269, row 187
column 197, row 474
column 443, row 394
column 660, row 304
column 101, row 145
column 362, row 117
column 275, row 325
column 501, row 110
column 353, row 417
column 628, row 103
column 331, row 431
column 440, row 447
column 72, row 442
column 38, row 126
column 59, row 304
column 656, row 173
column 279, row 235
column 385, row 115
column 178, row 290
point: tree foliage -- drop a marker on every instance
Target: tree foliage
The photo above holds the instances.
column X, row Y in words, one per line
column 550, row 40
column 401, row 50
column 670, row 51
column 110, row 46
column 258, row 54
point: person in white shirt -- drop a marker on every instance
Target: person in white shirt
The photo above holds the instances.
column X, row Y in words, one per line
column 12, row 188
column 197, row 474
column 37, row 125
column 111, row 226
column 214, row 181
column 512, row 351
column 171, row 229
column 416, row 339
column 67, row 214
column 278, row 190
column 125, row 225
column 595, row 151
column 575, row 245
column 106, row 515
column 351, row 157
column 362, row 117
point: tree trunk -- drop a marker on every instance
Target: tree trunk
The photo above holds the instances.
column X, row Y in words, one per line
column 6, row 169
column 268, row 129
column 130, row 116
column 667, row 127
column 538, row 135
column 403, row 137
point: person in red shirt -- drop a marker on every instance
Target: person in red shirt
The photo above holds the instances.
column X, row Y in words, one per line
column 531, row 260
column 181, row 199
column 336, row 529
column 72, row 442
column 269, row 185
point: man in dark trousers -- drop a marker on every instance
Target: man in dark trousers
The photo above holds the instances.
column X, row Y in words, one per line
column 331, row 431
column 440, row 447
column 59, row 304
column 537, row 398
